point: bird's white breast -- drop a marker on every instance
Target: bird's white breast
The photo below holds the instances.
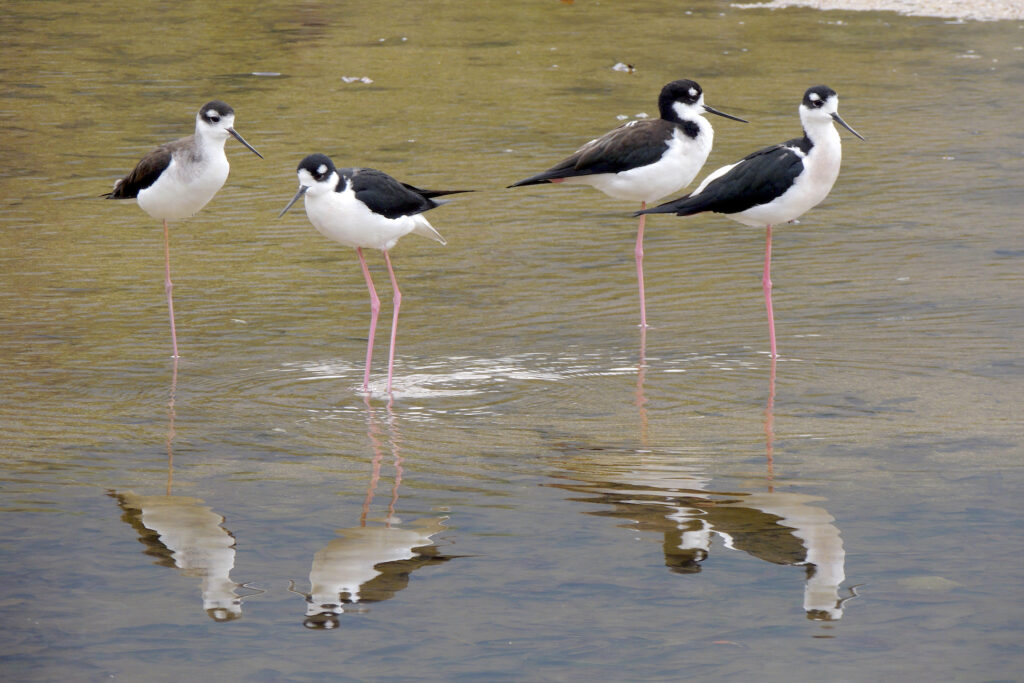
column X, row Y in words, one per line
column 339, row 216
column 186, row 185
column 811, row 187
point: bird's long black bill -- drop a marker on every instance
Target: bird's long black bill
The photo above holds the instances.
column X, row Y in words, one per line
column 845, row 125
column 238, row 137
column 302, row 191
column 712, row 110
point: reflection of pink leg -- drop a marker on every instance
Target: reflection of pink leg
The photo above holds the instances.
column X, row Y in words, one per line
column 373, row 432
column 395, row 438
column 769, row 425
column 766, row 284
column 641, row 373
column 397, row 302
column 374, row 312
column 170, row 427
column 639, row 253
column 169, row 286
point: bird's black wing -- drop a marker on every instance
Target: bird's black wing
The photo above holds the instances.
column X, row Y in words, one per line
column 143, row 175
column 631, row 145
column 388, row 197
column 756, row 179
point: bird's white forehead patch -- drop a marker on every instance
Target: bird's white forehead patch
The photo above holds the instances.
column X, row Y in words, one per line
column 693, row 92
column 212, row 113
column 321, row 169
column 814, row 97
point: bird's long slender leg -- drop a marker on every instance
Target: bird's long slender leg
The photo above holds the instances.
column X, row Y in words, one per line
column 169, row 287
column 639, row 252
column 766, row 284
column 397, row 302
column 374, row 312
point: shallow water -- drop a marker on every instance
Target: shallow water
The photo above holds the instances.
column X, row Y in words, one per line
column 549, row 496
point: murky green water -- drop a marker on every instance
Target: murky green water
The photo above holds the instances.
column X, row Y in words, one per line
column 546, row 499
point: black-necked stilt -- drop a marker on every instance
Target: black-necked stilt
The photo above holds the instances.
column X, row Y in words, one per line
column 177, row 179
column 644, row 160
column 364, row 207
column 777, row 184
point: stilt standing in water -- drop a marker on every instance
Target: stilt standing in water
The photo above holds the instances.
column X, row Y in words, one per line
column 777, row 184
column 644, row 160
column 364, row 207
column 176, row 180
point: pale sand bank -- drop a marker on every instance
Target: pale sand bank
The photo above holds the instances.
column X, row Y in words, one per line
column 979, row 10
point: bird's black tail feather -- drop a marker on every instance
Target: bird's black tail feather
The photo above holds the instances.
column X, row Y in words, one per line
column 118, row 192
column 677, row 206
column 557, row 173
column 430, row 194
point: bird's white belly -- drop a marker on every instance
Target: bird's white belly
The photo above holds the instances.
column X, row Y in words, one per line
column 340, row 217
column 183, row 189
column 674, row 171
column 809, row 190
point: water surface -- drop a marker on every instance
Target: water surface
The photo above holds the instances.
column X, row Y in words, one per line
column 550, row 496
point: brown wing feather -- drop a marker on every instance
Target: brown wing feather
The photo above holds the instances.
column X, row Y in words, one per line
column 631, row 145
column 145, row 172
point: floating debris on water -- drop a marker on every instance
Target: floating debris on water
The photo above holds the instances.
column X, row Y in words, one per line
column 356, row 79
column 622, row 66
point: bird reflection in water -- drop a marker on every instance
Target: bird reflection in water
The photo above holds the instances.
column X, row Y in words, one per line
column 371, row 562
column 184, row 533
column 669, row 494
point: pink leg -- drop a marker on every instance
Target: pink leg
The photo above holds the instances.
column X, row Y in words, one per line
column 374, row 312
column 639, row 252
column 766, row 284
column 397, row 302
column 169, row 286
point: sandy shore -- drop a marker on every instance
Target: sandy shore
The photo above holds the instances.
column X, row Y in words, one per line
column 979, row 10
